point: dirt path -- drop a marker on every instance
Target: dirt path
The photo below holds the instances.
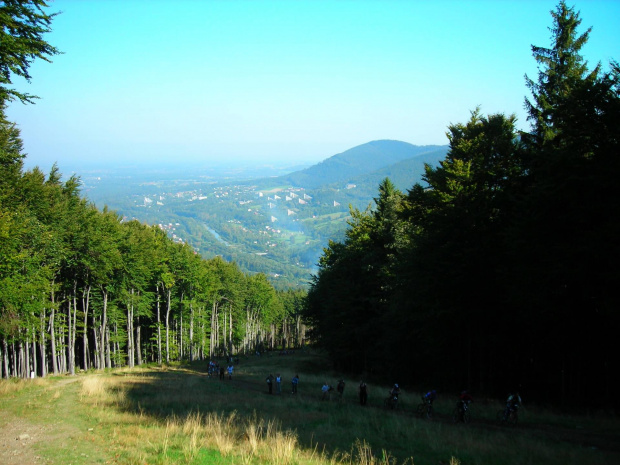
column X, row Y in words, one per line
column 19, row 435
column 18, row 438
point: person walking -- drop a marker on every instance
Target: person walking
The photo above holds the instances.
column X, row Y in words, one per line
column 278, row 384
column 363, row 392
column 326, row 390
column 294, row 383
column 340, row 388
column 270, row 383
column 230, row 371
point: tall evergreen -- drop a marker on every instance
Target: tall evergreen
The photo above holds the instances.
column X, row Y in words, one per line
column 565, row 253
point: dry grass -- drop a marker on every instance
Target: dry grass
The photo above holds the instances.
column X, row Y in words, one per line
column 177, row 415
column 8, row 386
column 93, row 386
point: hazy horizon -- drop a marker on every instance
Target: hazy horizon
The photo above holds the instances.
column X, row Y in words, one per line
column 255, row 82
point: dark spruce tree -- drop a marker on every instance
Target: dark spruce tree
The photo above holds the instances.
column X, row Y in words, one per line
column 565, row 249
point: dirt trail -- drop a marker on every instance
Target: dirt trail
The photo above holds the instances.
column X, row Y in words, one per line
column 17, row 440
column 19, row 436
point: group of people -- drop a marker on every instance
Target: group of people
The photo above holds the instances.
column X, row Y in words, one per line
column 465, row 398
column 327, row 390
column 215, row 368
column 277, row 380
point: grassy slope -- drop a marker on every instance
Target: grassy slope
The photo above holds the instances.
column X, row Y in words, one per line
column 179, row 415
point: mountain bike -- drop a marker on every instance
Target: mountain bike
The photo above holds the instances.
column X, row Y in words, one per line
column 507, row 416
column 425, row 409
column 391, row 402
column 461, row 413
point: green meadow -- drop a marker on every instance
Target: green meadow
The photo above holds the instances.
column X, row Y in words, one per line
column 177, row 414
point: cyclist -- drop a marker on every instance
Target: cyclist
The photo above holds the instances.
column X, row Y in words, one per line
column 393, row 399
column 462, row 405
column 340, row 388
column 513, row 403
column 395, row 392
column 429, row 397
column 363, row 392
column 327, row 391
column 466, row 397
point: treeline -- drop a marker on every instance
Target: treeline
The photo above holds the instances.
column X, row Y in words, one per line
column 80, row 288
column 501, row 273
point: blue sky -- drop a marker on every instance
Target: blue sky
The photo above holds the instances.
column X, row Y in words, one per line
column 268, row 81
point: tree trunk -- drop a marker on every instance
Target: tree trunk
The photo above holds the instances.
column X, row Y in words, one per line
column 168, row 327
column 85, row 307
column 138, row 343
column 42, row 343
column 102, row 331
column 181, row 331
column 71, row 303
column 191, row 331
column 108, row 360
column 34, row 351
column 130, row 342
column 96, row 338
column 53, row 333
column 5, row 361
column 158, row 328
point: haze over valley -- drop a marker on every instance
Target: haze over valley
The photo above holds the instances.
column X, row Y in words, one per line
column 273, row 219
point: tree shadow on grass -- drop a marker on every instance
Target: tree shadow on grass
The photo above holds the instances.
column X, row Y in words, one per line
column 180, row 392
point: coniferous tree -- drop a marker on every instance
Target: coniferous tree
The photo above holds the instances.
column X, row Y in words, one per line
column 22, row 26
column 567, row 218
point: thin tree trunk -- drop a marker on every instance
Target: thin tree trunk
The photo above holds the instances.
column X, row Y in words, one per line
column 130, row 342
column 85, row 307
column 158, row 328
column 108, row 360
column 23, row 359
column 191, row 331
column 53, row 332
column 71, row 303
column 15, row 361
column 34, row 352
column 181, row 331
column 104, row 323
column 138, row 343
column 5, row 359
column 168, row 327
column 96, row 339
column 42, row 343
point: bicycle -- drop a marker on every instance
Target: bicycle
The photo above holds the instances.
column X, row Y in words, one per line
column 461, row 413
column 425, row 409
column 391, row 402
column 507, row 416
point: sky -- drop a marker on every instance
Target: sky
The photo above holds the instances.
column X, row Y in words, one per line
column 218, row 82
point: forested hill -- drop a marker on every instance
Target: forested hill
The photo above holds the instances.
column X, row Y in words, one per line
column 362, row 161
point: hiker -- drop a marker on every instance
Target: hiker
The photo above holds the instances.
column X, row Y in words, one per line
column 363, row 391
column 294, row 383
column 278, row 384
column 326, row 390
column 270, row 383
column 340, row 388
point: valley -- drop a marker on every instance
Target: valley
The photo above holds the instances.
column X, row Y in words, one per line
column 276, row 224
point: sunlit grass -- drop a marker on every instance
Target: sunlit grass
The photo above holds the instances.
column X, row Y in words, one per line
column 176, row 414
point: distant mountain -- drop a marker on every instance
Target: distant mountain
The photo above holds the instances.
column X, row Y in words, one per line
column 364, row 160
column 403, row 174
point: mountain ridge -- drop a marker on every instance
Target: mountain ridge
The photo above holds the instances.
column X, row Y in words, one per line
column 360, row 161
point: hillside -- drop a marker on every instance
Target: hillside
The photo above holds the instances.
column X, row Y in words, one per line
column 404, row 173
column 275, row 225
column 357, row 162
